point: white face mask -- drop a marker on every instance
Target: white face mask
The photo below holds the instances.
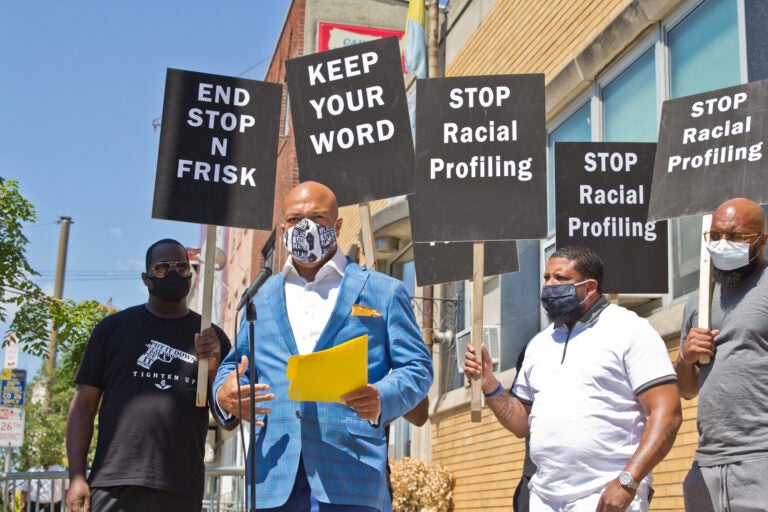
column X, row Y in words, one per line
column 728, row 255
column 308, row 241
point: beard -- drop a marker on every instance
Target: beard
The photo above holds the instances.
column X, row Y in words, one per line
column 736, row 277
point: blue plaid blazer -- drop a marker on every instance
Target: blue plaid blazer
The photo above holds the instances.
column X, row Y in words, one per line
column 345, row 457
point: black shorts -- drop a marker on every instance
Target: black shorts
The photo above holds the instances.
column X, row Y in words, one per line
column 132, row 498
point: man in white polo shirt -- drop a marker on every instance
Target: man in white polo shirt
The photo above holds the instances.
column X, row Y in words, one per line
column 597, row 394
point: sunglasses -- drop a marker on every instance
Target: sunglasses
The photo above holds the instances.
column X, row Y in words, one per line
column 181, row 267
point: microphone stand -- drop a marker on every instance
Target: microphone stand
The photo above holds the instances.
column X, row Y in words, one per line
column 250, row 316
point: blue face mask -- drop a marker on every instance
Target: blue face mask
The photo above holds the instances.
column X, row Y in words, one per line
column 560, row 300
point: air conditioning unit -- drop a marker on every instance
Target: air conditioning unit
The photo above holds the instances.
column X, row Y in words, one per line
column 490, row 338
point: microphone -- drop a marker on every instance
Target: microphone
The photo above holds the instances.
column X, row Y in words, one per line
column 248, row 294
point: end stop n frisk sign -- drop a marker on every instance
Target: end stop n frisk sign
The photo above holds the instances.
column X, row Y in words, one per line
column 218, row 150
column 711, row 149
column 350, row 120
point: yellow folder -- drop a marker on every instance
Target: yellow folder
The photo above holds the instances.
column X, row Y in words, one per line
column 326, row 375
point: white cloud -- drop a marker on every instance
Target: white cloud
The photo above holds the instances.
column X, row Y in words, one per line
column 116, row 232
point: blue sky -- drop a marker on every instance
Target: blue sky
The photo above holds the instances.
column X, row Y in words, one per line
column 80, row 84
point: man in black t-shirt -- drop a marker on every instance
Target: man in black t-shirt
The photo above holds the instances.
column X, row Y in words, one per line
column 141, row 365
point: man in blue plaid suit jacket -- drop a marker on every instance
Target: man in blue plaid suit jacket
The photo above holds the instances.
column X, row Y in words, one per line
column 321, row 455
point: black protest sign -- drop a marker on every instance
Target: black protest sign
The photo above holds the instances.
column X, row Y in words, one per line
column 480, row 159
column 445, row 262
column 218, row 150
column 711, row 150
column 601, row 199
column 350, row 120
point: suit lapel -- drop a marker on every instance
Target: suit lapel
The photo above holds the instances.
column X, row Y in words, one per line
column 279, row 314
column 351, row 287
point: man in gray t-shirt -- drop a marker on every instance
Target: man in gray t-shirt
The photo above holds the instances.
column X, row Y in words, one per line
column 730, row 469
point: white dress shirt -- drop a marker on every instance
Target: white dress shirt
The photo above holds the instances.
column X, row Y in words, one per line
column 310, row 304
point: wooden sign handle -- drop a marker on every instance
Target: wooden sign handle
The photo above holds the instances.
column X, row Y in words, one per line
column 705, row 284
column 478, row 261
column 201, row 397
column 366, row 226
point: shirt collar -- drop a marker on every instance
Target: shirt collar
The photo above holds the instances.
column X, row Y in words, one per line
column 590, row 316
column 336, row 265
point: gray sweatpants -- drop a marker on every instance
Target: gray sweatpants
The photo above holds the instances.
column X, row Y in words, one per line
column 737, row 487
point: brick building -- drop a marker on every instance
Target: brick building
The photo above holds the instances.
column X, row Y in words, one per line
column 608, row 67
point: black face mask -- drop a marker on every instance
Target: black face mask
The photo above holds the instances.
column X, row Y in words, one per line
column 171, row 288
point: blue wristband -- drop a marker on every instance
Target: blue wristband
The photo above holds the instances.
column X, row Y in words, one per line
column 495, row 391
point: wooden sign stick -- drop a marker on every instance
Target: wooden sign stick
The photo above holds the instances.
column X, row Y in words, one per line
column 366, row 226
column 478, row 261
column 201, row 398
column 705, row 284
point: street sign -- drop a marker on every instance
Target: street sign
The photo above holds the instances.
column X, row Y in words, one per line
column 11, row 426
column 12, row 385
column 11, row 350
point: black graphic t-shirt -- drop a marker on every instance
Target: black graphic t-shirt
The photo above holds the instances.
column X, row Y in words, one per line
column 150, row 432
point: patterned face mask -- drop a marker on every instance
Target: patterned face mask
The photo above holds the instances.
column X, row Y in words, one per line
column 308, row 241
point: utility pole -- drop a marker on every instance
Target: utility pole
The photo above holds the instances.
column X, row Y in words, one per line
column 58, row 292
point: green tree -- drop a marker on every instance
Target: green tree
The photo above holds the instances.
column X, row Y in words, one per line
column 16, row 286
column 44, row 429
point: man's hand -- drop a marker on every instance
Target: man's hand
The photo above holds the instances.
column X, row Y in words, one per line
column 236, row 399
column 472, row 368
column 78, row 497
column 699, row 342
column 615, row 497
column 366, row 402
column 207, row 346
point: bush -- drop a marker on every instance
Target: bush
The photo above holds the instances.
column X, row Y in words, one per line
column 418, row 487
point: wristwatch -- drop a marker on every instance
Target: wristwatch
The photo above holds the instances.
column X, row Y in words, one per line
column 627, row 480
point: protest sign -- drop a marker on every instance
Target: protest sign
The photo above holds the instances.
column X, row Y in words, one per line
column 218, row 150
column 350, row 121
column 601, row 199
column 710, row 150
column 445, row 262
column 480, row 159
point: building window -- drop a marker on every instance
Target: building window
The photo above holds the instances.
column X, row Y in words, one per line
column 577, row 127
column 700, row 46
column 629, row 103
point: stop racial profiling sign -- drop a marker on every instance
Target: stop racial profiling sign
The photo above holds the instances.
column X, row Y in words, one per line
column 711, row 149
column 481, row 171
column 350, row 120
column 602, row 191
column 218, row 150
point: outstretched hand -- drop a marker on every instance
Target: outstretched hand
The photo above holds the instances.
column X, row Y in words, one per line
column 236, row 399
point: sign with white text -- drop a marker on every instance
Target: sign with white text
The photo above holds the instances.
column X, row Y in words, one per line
column 481, row 171
column 601, row 199
column 218, row 150
column 350, row 121
column 710, row 150
column 11, row 426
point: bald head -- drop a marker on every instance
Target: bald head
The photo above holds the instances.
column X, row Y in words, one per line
column 739, row 215
column 309, row 198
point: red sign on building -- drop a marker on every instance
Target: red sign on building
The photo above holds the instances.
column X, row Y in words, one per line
column 337, row 35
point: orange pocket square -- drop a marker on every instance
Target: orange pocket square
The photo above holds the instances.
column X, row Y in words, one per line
column 358, row 310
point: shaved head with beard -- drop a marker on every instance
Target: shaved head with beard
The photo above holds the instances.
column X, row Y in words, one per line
column 740, row 215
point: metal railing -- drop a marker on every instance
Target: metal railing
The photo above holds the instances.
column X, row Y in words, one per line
column 224, row 490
